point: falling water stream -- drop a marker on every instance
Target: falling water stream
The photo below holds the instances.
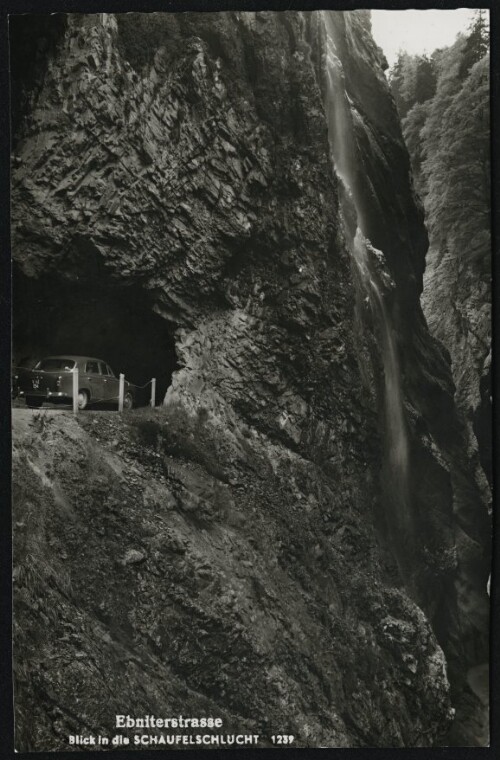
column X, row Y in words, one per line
column 397, row 440
column 341, row 135
column 369, row 267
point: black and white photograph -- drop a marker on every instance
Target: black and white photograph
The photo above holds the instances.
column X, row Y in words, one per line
column 251, row 378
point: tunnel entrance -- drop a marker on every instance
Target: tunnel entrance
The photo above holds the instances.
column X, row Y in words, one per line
column 115, row 323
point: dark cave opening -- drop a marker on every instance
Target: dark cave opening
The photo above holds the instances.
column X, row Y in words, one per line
column 115, row 323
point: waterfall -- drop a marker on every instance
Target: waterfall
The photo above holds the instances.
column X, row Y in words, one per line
column 368, row 267
column 395, row 428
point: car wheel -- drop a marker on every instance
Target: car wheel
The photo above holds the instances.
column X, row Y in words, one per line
column 83, row 399
column 128, row 401
column 34, row 402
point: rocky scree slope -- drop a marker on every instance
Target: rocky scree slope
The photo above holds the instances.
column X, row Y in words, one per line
column 201, row 178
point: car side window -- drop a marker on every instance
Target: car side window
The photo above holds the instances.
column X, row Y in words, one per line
column 110, row 371
column 104, row 368
column 92, row 368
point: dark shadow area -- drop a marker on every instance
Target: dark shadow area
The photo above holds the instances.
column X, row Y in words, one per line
column 33, row 40
column 52, row 316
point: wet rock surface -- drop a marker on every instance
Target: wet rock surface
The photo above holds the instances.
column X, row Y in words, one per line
column 236, row 552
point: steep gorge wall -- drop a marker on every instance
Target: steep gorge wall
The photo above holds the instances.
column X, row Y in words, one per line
column 457, row 305
column 203, row 180
column 446, row 125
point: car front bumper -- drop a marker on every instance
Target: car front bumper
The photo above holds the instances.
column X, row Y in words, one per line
column 45, row 394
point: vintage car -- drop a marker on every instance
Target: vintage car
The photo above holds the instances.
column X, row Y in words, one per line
column 51, row 379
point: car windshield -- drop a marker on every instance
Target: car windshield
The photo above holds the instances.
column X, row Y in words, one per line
column 53, row 365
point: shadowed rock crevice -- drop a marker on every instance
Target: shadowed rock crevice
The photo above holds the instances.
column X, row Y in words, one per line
column 33, row 41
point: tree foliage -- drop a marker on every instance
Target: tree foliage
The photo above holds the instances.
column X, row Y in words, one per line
column 456, row 168
column 413, row 80
column 414, row 123
column 477, row 43
column 444, row 105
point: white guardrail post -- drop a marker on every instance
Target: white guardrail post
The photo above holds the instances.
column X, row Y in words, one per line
column 153, row 392
column 121, row 392
column 75, row 390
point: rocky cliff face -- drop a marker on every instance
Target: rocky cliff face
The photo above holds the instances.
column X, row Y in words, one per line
column 457, row 305
column 182, row 205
